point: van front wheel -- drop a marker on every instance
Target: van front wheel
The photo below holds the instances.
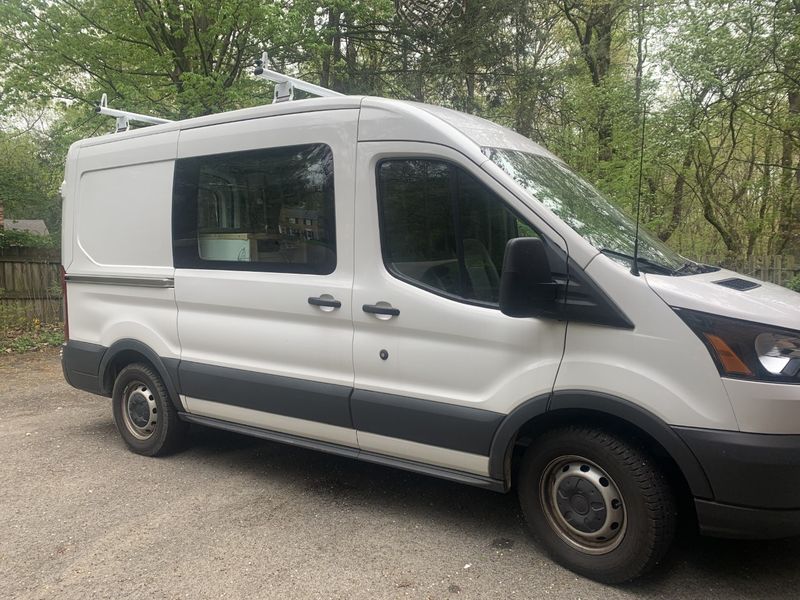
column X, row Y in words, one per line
column 143, row 412
column 598, row 503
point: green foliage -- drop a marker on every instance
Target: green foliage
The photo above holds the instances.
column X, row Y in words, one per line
column 718, row 79
column 21, row 333
column 794, row 283
column 11, row 238
column 29, row 179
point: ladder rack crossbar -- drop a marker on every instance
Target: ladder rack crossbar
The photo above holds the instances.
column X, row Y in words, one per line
column 131, row 116
column 264, row 73
column 124, row 116
column 284, row 91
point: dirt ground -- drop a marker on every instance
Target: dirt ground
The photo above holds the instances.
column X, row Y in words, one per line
column 233, row 517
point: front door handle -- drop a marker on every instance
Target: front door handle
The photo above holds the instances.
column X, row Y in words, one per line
column 377, row 309
column 325, row 302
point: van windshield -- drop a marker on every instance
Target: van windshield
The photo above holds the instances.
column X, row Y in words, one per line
column 581, row 206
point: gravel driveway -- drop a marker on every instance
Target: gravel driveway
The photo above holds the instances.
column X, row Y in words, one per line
column 233, row 517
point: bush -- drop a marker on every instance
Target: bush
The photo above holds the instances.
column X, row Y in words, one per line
column 11, row 238
column 21, row 333
column 794, row 283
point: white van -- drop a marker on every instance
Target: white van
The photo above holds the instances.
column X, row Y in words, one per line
column 420, row 288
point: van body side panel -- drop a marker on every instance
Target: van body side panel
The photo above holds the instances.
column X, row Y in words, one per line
column 297, row 398
column 69, row 203
column 476, row 464
column 257, row 417
column 249, row 334
column 763, row 407
column 123, row 245
column 453, row 367
column 433, row 423
column 660, row 365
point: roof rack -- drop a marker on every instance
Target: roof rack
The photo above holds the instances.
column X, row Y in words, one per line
column 124, row 117
column 285, row 85
column 284, row 91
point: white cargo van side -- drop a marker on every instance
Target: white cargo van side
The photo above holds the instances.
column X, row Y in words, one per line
column 408, row 285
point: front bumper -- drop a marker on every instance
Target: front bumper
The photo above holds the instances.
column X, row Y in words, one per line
column 755, row 479
column 740, row 522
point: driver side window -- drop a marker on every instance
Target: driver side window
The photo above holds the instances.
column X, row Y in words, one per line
column 443, row 230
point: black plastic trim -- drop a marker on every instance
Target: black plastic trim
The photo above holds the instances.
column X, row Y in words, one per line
column 739, row 522
column 584, row 301
column 738, row 284
column 439, row 424
column 505, row 435
column 433, row 471
column 160, row 365
column 349, row 452
column 328, row 303
column 80, row 362
column 374, row 309
column 275, row 436
column 652, row 425
column 748, row 469
column 287, row 396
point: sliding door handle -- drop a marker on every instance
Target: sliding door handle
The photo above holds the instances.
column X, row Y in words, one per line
column 325, row 302
column 380, row 309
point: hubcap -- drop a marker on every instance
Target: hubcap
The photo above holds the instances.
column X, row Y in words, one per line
column 583, row 504
column 139, row 411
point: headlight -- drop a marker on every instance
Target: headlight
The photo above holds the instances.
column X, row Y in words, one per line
column 747, row 350
column 778, row 353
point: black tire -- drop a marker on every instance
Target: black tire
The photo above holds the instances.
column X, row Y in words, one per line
column 597, row 465
column 144, row 414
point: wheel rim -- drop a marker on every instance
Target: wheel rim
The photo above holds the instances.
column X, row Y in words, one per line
column 139, row 411
column 583, row 505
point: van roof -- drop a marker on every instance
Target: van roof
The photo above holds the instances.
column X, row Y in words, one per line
column 480, row 131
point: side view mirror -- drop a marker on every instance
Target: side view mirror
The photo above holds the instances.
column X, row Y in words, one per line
column 527, row 288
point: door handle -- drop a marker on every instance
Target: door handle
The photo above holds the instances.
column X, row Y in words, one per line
column 375, row 309
column 324, row 302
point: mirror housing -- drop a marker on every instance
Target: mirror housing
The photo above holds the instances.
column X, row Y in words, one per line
column 527, row 288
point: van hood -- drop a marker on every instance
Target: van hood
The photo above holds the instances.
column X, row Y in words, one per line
column 730, row 294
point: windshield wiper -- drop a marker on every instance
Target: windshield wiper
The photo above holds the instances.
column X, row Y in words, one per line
column 693, row 268
column 648, row 264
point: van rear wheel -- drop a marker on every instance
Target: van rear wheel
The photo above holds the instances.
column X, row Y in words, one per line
column 144, row 414
column 597, row 503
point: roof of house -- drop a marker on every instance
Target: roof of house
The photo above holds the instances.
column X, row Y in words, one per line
column 35, row 226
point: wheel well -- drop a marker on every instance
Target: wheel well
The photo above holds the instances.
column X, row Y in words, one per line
column 122, row 359
column 556, row 418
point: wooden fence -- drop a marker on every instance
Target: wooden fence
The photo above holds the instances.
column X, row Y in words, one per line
column 29, row 288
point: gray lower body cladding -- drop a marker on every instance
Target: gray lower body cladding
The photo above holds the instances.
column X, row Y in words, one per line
column 755, row 478
column 447, row 426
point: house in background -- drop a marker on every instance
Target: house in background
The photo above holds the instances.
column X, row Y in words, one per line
column 34, row 226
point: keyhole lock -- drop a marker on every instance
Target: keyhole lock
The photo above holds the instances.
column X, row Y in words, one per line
column 383, row 354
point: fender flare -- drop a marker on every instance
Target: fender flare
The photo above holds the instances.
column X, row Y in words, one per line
column 624, row 410
column 167, row 368
column 506, row 432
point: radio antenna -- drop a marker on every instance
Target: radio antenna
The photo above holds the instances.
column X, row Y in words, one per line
column 635, row 265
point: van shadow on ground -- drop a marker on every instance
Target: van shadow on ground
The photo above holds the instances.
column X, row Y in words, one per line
column 428, row 499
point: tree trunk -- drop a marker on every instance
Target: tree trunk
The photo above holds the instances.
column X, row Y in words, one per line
column 790, row 174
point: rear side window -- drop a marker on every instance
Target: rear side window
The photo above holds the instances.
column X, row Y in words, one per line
column 258, row 210
column 443, row 230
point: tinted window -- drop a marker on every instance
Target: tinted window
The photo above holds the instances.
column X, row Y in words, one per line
column 261, row 210
column 444, row 230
